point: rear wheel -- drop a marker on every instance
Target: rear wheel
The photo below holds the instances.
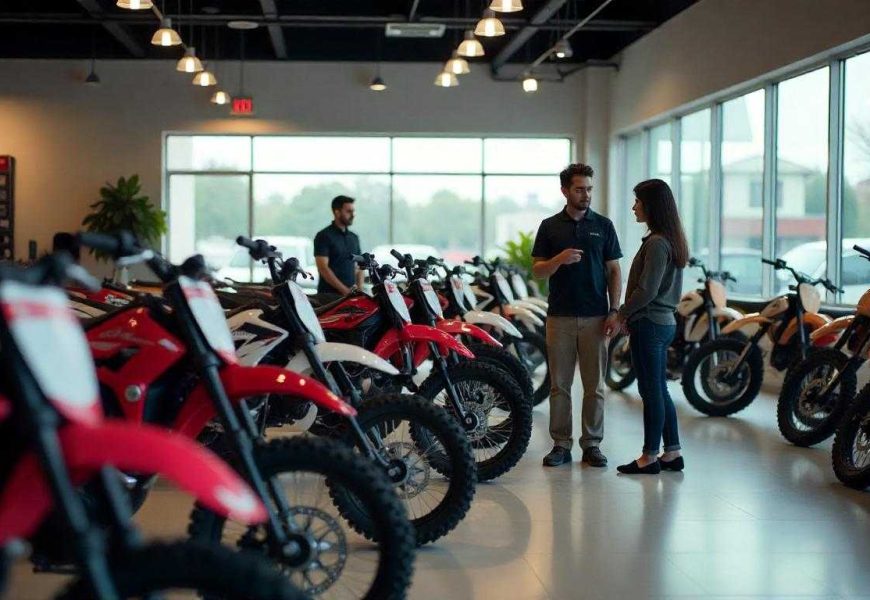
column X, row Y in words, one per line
column 712, row 383
column 619, row 374
column 327, row 559
column 851, row 453
column 208, row 569
column 809, row 409
column 499, row 419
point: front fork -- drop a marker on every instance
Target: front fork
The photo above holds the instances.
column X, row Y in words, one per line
column 747, row 348
column 443, row 368
column 241, row 435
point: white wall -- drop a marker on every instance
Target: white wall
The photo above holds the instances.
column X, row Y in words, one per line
column 716, row 44
column 69, row 138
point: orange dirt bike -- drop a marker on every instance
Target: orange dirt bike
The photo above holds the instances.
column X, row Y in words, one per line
column 724, row 376
column 820, row 388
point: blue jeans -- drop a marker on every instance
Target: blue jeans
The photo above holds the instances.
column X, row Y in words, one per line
column 649, row 358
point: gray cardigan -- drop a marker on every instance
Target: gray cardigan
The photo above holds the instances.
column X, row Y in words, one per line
column 654, row 283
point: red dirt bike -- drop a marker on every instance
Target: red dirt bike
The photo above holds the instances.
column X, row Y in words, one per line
column 490, row 406
column 54, row 439
column 171, row 361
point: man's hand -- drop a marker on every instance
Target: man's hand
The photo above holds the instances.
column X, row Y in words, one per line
column 569, row 256
column 612, row 324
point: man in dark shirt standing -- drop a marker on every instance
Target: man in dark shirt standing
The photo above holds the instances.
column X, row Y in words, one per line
column 334, row 247
column 578, row 250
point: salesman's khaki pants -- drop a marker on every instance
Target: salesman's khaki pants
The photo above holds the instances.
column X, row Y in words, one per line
column 575, row 341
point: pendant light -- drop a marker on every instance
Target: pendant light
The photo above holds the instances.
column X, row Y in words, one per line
column 489, row 25
column 446, row 79
column 220, row 98
column 470, row 46
column 377, row 84
column 166, row 36
column 563, row 49
column 189, row 63
column 530, row 84
column 457, row 65
column 93, row 79
column 204, row 78
column 135, row 4
column 506, row 6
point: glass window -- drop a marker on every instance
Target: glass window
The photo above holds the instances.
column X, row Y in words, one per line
column 634, row 174
column 802, row 166
column 660, row 153
column 856, row 175
column 694, row 200
column 517, row 204
column 422, row 202
column 322, row 154
column 437, row 155
column 526, row 155
column 208, row 153
column 206, row 214
column 742, row 163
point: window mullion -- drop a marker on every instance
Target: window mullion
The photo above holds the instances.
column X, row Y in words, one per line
column 714, row 216
column 769, row 185
column 834, row 204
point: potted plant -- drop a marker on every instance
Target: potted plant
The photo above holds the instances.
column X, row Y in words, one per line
column 519, row 253
column 123, row 207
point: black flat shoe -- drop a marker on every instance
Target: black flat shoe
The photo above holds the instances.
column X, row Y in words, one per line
column 673, row 465
column 632, row 468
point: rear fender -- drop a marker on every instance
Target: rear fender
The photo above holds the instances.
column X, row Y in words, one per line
column 244, row 382
column 745, row 321
column 813, row 321
column 26, row 498
column 828, row 334
column 455, row 327
column 498, row 322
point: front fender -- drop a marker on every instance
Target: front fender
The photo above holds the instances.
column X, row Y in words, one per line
column 828, row 334
column 745, row 321
column 726, row 312
column 26, row 498
column 243, row 382
column 455, row 327
column 477, row 317
column 538, row 302
column 813, row 321
column 333, row 351
column 537, row 310
column 420, row 336
column 524, row 315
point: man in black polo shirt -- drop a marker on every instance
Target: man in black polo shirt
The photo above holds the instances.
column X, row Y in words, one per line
column 334, row 247
column 578, row 250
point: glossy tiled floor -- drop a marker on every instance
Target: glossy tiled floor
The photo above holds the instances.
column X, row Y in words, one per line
column 751, row 517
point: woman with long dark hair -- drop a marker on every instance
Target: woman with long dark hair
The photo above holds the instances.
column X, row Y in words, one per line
column 654, row 286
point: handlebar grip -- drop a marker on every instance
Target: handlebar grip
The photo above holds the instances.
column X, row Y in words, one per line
column 861, row 250
column 768, row 262
column 397, row 255
column 246, row 242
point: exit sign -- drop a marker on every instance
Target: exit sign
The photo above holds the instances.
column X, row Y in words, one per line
column 243, row 105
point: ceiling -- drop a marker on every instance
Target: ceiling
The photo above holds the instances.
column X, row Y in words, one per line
column 317, row 30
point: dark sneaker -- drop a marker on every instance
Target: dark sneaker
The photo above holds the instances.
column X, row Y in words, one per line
column 592, row 456
column 557, row 456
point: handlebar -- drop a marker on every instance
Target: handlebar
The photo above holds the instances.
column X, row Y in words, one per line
column 258, row 249
column 126, row 250
column 862, row 251
column 52, row 269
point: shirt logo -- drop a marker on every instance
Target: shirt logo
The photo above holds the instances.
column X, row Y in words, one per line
column 595, row 233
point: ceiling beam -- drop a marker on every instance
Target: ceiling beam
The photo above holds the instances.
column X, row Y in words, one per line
column 317, row 21
column 544, row 14
column 270, row 11
column 117, row 30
